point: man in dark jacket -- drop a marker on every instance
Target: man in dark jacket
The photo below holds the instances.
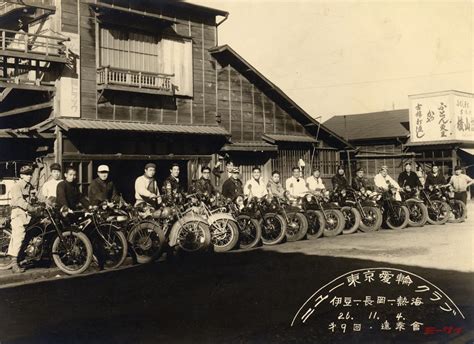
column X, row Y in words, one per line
column 360, row 182
column 203, row 185
column 172, row 188
column 232, row 187
column 102, row 189
column 409, row 178
column 67, row 191
column 339, row 181
column 435, row 177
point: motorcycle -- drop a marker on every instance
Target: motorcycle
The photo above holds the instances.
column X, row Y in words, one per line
column 273, row 225
column 348, row 207
column 365, row 202
column 458, row 210
column 103, row 230
column 333, row 217
column 45, row 237
column 296, row 222
column 395, row 213
column 315, row 216
column 438, row 209
column 418, row 210
column 250, row 230
column 222, row 225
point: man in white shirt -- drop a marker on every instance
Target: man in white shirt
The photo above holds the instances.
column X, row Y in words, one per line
column 255, row 187
column 296, row 185
column 146, row 187
column 48, row 191
column 383, row 181
column 315, row 182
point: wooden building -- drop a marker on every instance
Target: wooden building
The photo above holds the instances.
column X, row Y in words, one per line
column 125, row 82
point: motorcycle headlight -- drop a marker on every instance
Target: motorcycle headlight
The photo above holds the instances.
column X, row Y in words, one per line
column 431, row 187
column 122, row 218
column 343, row 193
column 64, row 211
column 326, row 193
column 309, row 198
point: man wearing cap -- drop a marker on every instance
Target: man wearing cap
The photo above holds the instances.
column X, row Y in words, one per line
column 460, row 183
column 48, row 191
column 101, row 188
column 146, row 187
column 22, row 195
column 232, row 187
column 383, row 181
column 360, row 182
column 296, row 185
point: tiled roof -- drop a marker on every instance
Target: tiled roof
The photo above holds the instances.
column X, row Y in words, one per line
column 85, row 124
column 272, row 138
column 374, row 125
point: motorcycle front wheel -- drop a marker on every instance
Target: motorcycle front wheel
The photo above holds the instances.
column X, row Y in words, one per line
column 438, row 213
column 372, row 220
column 193, row 236
column 297, row 227
column 352, row 217
column 224, row 235
column 113, row 244
column 5, row 261
column 72, row 254
column 418, row 213
column 273, row 229
column 250, row 232
column 316, row 223
column 147, row 241
column 399, row 218
column 335, row 222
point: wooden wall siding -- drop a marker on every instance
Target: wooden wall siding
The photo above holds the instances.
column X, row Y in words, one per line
column 69, row 16
column 88, row 61
column 246, row 112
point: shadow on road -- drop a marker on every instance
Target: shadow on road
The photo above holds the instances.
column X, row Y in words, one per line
column 237, row 297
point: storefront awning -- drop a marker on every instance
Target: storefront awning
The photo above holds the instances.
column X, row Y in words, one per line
column 468, row 150
column 83, row 124
column 249, row 147
column 274, row 138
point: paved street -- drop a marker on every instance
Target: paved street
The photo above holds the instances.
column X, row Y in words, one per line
column 235, row 297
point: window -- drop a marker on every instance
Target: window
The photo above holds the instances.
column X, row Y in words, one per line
column 144, row 52
column 3, row 189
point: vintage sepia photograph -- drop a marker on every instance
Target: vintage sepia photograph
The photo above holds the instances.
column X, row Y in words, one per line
column 236, row 171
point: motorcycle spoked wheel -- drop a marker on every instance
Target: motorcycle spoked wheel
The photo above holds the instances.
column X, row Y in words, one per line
column 418, row 213
column 458, row 212
column 113, row 244
column 296, row 227
column 147, row 242
column 372, row 221
column 5, row 261
column 438, row 213
column 73, row 254
column 399, row 221
column 193, row 236
column 353, row 218
column 250, row 232
column 335, row 222
column 224, row 235
column 316, row 224
column 273, row 229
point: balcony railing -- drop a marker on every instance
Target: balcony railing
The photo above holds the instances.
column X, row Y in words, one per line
column 30, row 43
column 8, row 6
column 110, row 76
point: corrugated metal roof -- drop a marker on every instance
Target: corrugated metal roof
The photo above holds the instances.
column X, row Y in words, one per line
column 249, row 147
column 272, row 138
column 374, row 125
column 73, row 123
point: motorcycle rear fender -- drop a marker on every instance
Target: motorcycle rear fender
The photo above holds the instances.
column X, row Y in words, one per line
column 416, row 200
column 173, row 238
column 219, row 216
column 332, row 205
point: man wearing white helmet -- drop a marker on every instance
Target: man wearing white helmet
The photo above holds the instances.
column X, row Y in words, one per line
column 102, row 189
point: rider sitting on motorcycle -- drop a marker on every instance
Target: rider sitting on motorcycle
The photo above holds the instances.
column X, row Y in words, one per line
column 339, row 181
column 68, row 193
column 296, row 185
column 360, row 183
column 172, row 189
column 384, row 182
column 146, row 188
column 315, row 183
column 22, row 198
column 409, row 178
column 232, row 187
column 203, row 186
column 274, row 186
column 255, row 187
column 435, row 177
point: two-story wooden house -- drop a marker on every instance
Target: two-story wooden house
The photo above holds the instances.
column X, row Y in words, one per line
column 136, row 81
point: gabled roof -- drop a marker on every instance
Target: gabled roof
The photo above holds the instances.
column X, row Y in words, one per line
column 227, row 55
column 373, row 125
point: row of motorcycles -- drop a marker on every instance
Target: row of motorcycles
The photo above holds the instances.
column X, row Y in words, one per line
column 107, row 234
